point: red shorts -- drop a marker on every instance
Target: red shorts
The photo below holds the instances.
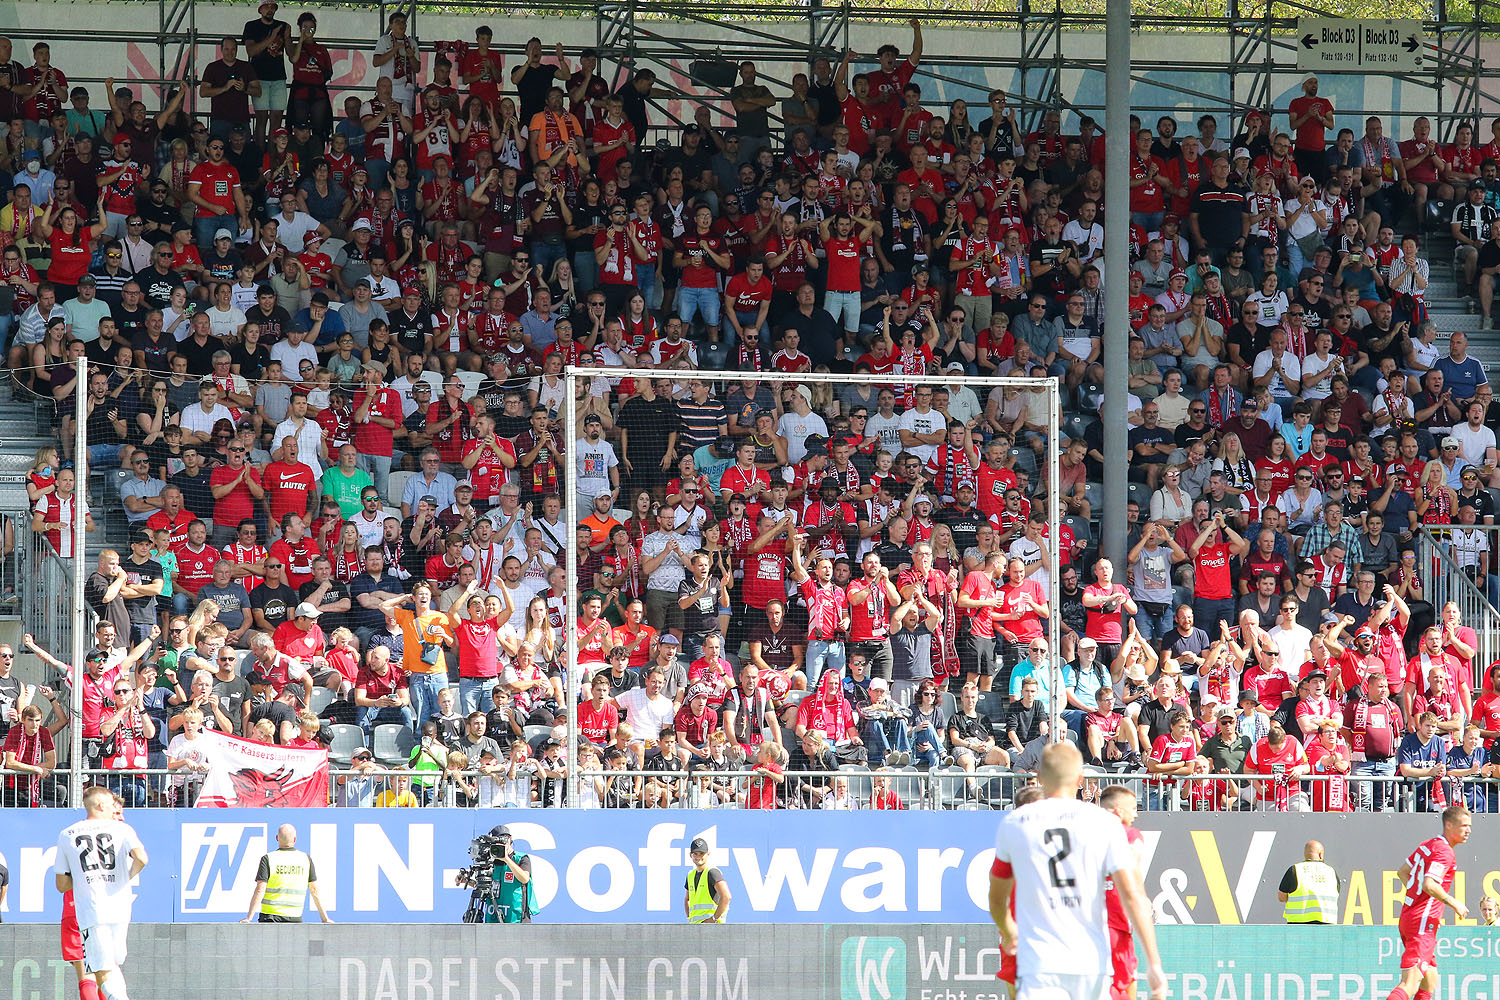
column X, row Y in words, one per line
column 72, row 941
column 1007, row 973
column 1122, row 960
column 1418, row 928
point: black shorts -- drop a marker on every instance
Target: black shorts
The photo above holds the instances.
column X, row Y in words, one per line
column 976, row 654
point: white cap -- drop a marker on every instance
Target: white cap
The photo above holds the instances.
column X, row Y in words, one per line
column 879, row 682
column 306, row 610
column 223, row 234
column 361, row 224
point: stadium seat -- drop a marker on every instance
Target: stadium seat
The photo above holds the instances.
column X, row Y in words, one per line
column 393, row 743
column 346, row 740
column 535, row 735
column 992, row 704
column 396, row 487
column 947, row 786
column 322, row 697
column 794, row 698
column 950, row 704
column 471, row 381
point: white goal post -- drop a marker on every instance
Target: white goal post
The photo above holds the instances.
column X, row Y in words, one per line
column 573, row 374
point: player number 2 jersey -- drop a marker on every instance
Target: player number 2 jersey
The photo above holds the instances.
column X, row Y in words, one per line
column 1060, row 851
column 96, row 853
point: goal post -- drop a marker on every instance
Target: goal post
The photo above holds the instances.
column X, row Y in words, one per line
column 981, row 384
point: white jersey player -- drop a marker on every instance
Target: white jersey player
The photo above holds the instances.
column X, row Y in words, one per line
column 1055, row 855
column 96, row 858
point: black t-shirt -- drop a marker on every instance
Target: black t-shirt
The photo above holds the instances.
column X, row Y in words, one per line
column 128, row 322
column 1025, row 722
column 276, row 603
column 115, row 612
column 271, row 63
column 277, row 711
column 410, row 331
column 1221, row 212
column 337, row 591
column 157, row 287
column 272, row 325
column 532, row 89
column 1148, row 435
column 252, row 363
column 963, row 523
column 976, row 727
column 775, row 647
column 200, row 357
column 702, row 616
column 1153, row 719
column 233, row 694
column 142, row 610
column 197, row 495
column 619, row 685
column 648, row 422
column 221, row 266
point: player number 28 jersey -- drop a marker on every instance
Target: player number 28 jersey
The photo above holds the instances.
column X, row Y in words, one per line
column 96, row 853
column 1433, row 859
column 1060, row 852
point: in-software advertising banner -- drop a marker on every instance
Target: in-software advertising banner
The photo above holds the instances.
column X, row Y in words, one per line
column 392, row 865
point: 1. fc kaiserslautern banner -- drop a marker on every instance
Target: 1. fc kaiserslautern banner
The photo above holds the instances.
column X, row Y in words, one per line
column 243, row 773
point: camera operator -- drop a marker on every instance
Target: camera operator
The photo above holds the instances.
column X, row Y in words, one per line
column 501, row 880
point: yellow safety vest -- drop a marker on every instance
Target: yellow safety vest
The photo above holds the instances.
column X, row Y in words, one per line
column 701, row 903
column 1316, row 898
column 286, row 888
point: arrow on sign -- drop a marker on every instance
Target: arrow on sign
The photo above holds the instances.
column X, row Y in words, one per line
column 1411, row 44
column 1308, row 41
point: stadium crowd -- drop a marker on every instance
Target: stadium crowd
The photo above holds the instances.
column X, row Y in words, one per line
column 327, row 348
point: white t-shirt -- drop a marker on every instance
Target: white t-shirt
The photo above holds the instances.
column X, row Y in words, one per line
column 182, row 748
column 96, row 854
column 646, row 715
column 291, row 232
column 796, row 430
column 225, row 323
column 1313, row 366
column 1295, row 644
column 1060, row 852
column 309, row 442
column 1291, row 368
column 888, row 429
column 291, row 358
column 1473, row 444
column 923, row 423
column 591, row 463
column 194, row 419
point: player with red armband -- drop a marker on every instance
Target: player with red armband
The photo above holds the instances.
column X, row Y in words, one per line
column 1428, row 876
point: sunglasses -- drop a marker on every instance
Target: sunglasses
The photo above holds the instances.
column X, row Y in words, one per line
column 122, row 690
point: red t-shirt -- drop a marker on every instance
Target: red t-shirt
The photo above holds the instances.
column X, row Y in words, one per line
column 1211, row 578
column 297, row 558
column 1264, row 760
column 478, row 648
column 596, row 724
column 372, row 438
column 287, row 488
column 979, row 586
column 70, row 255
column 1105, row 626
column 1310, row 134
column 843, row 263
column 237, row 504
column 217, row 184
column 745, row 296
column 700, row 272
column 292, row 641
column 178, row 525
column 194, row 569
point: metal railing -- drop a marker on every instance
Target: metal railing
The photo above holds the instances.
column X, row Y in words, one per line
column 1445, row 580
column 44, row 586
column 850, row 787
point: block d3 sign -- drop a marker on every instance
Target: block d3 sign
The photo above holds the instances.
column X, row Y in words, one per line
column 1359, row 45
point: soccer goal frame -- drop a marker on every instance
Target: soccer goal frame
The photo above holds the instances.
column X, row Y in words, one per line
column 572, row 375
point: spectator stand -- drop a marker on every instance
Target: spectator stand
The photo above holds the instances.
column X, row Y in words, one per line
column 574, row 376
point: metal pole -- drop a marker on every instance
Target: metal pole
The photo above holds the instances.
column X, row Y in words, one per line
column 1054, row 518
column 570, row 587
column 80, row 506
column 1117, row 146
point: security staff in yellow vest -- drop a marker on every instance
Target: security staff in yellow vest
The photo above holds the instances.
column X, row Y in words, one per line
column 283, row 882
column 706, row 899
column 1310, row 889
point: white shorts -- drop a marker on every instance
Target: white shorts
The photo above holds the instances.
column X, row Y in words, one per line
column 1057, row 986
column 103, row 947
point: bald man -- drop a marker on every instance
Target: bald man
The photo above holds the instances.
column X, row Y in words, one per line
column 1053, row 857
column 283, row 882
column 1310, row 889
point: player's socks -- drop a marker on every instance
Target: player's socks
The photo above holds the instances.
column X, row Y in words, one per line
column 88, row 989
column 1422, row 995
column 1399, row 993
column 113, row 988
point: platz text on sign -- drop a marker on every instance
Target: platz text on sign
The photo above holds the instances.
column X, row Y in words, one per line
column 1359, row 45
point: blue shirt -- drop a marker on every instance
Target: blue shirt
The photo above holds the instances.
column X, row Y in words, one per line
column 1040, row 672
column 1472, row 792
column 440, row 489
column 1462, row 378
column 373, row 618
column 333, row 325
column 1414, row 751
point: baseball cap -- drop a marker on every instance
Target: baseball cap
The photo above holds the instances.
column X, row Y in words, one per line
column 1242, row 152
column 1364, row 632
column 955, row 366
column 592, row 418
column 464, row 484
column 362, row 751
column 698, row 846
column 1316, row 672
column 280, row 131
column 668, row 640
column 361, row 224
column 697, row 691
column 428, row 498
column 1249, row 696
column 1451, row 442
column 1177, row 273
column 87, row 279
column 692, row 130
column 306, row 610
column 223, row 234
column 879, row 682
column 374, row 366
